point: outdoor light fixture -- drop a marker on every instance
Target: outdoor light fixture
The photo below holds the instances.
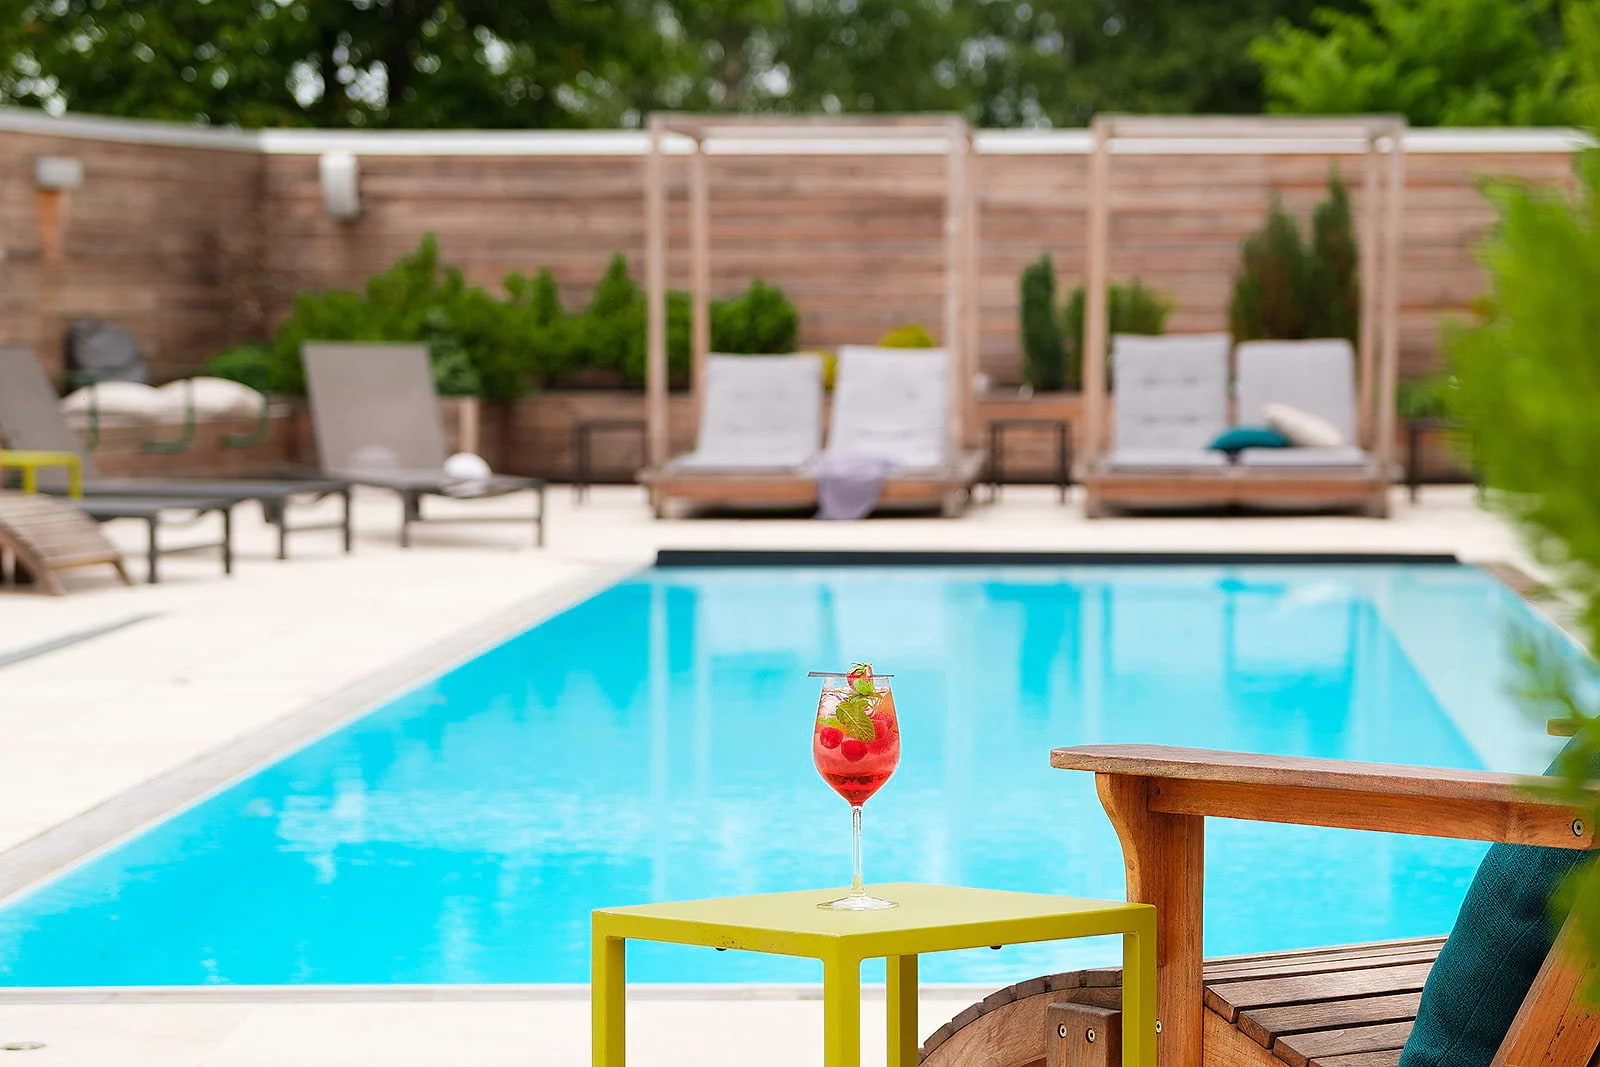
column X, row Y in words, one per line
column 341, row 184
column 57, row 172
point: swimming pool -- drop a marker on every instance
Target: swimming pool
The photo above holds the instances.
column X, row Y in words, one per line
column 653, row 743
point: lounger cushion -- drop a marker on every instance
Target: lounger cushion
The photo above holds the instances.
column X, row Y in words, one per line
column 1500, row 940
column 1345, row 456
column 1165, row 459
column 1242, row 437
column 759, row 413
column 892, row 404
column 1317, row 377
column 1171, row 392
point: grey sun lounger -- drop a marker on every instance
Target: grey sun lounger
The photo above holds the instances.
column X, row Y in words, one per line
column 1171, row 401
column 760, row 428
column 892, row 404
column 377, row 423
column 30, row 418
column 1315, row 376
column 1169, row 409
column 154, row 512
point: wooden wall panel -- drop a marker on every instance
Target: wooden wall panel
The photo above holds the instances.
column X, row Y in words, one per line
column 195, row 249
column 162, row 240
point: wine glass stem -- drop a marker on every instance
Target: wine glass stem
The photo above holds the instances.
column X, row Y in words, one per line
column 855, row 852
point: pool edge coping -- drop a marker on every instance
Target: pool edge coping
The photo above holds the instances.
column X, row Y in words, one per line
column 52, row 852
column 445, row 993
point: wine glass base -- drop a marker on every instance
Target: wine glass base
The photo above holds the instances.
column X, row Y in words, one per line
column 857, row 903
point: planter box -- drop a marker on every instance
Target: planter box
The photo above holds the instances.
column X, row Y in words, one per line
column 119, row 452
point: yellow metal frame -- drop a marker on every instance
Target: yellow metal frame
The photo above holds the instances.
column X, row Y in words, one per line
column 930, row 918
column 29, row 463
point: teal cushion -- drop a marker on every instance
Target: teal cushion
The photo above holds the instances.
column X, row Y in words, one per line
column 1242, row 437
column 1484, row 970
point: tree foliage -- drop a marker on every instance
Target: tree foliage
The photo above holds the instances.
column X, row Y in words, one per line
column 1526, row 383
column 586, row 63
column 1438, row 62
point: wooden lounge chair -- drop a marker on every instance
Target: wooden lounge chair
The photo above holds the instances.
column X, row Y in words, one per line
column 1314, row 376
column 1349, row 1006
column 760, row 429
column 46, row 536
column 377, row 423
column 30, row 418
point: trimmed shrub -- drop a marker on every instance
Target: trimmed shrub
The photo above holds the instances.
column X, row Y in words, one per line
column 1130, row 308
column 1044, row 355
column 908, row 336
column 760, row 320
column 1288, row 290
column 250, row 364
column 500, row 348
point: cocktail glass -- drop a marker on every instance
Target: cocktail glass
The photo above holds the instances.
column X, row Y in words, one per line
column 855, row 743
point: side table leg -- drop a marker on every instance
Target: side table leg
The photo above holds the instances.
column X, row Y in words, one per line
column 841, row 1012
column 1139, row 997
column 607, row 978
column 901, row 995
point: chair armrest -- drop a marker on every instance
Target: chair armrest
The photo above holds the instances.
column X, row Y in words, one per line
column 1434, row 802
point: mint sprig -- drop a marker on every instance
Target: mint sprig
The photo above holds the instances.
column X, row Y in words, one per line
column 854, row 719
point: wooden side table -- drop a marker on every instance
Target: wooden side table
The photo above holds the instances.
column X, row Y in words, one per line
column 30, row 461
column 930, row 918
column 583, row 432
column 997, row 451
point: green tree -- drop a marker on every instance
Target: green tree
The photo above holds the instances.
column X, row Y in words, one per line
column 1438, row 62
column 1526, row 383
column 574, row 63
column 383, row 63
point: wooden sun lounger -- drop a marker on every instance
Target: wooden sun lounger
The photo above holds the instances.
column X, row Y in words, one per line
column 948, row 489
column 1341, row 1007
column 1345, row 1006
column 1365, row 488
column 46, row 536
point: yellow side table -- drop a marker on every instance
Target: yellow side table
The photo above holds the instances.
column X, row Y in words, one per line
column 930, row 918
column 30, row 462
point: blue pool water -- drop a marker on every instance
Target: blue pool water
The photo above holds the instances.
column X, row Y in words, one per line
column 652, row 743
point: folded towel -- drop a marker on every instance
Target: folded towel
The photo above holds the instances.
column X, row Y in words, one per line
column 848, row 485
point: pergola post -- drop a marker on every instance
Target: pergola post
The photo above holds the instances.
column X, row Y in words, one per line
column 1096, row 325
column 655, row 271
column 699, row 273
column 1367, row 398
column 973, row 340
column 955, row 298
column 1389, row 354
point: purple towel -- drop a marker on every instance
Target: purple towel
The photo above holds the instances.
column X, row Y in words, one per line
column 848, row 485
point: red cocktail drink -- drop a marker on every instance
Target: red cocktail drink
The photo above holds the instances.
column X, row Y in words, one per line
column 855, row 744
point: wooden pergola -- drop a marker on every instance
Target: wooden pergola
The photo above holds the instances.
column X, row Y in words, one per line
column 704, row 135
column 1380, row 141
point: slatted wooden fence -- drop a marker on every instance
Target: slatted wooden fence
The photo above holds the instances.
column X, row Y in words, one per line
column 199, row 247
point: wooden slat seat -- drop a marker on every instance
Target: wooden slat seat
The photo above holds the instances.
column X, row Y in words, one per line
column 46, row 536
column 1344, row 1006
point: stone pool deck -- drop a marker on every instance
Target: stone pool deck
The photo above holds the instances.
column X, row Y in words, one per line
column 202, row 668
